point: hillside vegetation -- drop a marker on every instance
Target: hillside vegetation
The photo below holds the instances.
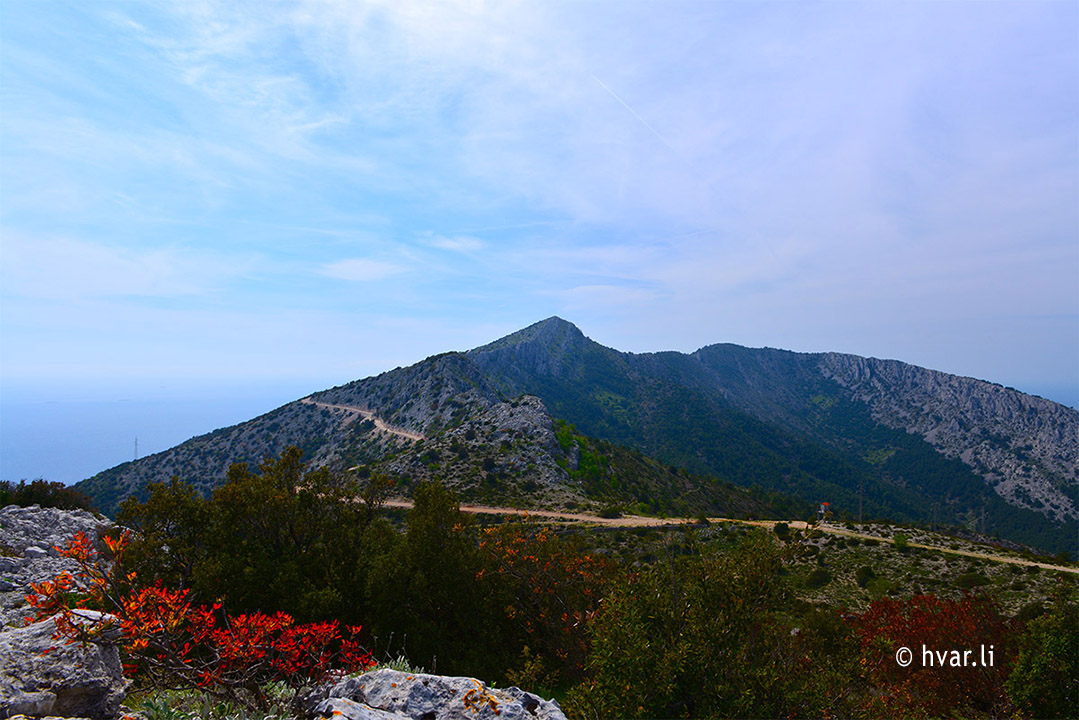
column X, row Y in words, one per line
column 877, row 438
column 705, row 620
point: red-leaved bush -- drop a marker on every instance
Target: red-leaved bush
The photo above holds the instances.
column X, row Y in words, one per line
column 174, row 644
column 937, row 682
column 554, row 590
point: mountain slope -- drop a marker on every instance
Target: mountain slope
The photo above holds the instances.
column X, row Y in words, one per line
column 1025, row 447
column 922, row 445
column 879, row 437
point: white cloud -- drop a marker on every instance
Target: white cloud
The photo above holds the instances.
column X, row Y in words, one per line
column 457, row 243
column 361, row 269
column 706, row 164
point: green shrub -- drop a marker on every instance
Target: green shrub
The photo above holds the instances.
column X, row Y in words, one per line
column 283, row 538
column 44, row 493
column 879, row 587
column 970, row 580
column 863, row 575
column 1029, row 612
column 195, row 705
column 700, row 636
column 818, row 578
column 1045, row 680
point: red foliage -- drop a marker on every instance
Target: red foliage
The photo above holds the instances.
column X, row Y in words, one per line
column 555, row 589
column 175, row 644
column 941, row 680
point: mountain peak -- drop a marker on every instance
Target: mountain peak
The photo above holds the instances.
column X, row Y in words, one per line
column 552, row 331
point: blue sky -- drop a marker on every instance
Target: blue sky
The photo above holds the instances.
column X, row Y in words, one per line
column 304, row 193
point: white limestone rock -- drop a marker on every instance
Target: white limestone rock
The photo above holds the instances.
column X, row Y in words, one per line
column 418, row 696
column 41, row 675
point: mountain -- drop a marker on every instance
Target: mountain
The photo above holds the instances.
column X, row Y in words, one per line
column 876, row 437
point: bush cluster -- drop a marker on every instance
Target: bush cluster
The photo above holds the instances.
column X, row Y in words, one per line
column 450, row 597
column 43, row 493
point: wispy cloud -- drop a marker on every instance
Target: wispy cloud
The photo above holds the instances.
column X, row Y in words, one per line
column 766, row 172
column 457, row 243
column 361, row 269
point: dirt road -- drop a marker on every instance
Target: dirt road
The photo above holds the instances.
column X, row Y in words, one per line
column 358, row 412
column 641, row 521
column 556, row 516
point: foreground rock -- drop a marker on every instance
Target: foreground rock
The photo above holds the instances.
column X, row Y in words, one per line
column 39, row 675
column 24, row 527
column 43, row 676
column 29, row 537
column 394, row 695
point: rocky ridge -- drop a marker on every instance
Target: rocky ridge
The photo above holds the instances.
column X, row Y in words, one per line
column 807, row 425
column 1026, row 447
column 427, row 398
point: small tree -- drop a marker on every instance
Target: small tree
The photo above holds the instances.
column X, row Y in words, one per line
column 428, row 588
column 902, row 542
column 700, row 637
column 1045, row 680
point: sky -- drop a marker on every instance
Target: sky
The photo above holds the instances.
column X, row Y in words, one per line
column 245, row 202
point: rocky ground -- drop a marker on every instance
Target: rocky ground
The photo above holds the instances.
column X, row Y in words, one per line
column 507, row 452
column 29, row 542
column 395, row 695
column 41, row 676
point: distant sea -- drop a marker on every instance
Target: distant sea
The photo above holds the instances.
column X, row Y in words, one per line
column 71, row 433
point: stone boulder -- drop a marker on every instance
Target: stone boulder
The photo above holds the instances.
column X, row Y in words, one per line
column 22, row 528
column 395, row 695
column 41, row 675
column 29, row 537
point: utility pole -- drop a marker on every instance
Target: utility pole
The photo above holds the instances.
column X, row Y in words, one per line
column 861, row 487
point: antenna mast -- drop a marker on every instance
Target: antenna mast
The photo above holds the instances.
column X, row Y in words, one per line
column 861, row 487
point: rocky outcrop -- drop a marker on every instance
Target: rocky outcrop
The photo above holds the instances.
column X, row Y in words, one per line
column 41, row 675
column 509, row 449
column 24, row 528
column 394, row 695
column 29, row 538
column 1026, row 447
